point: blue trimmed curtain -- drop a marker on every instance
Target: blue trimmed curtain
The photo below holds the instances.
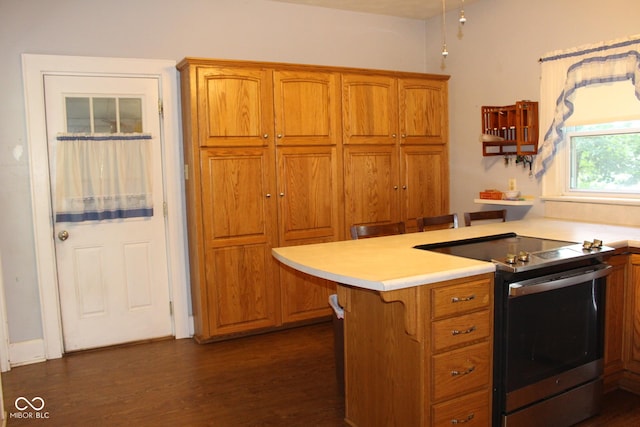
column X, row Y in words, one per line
column 102, row 177
column 564, row 72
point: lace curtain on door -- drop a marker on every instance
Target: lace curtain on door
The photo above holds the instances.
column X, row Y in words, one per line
column 100, row 177
column 564, row 72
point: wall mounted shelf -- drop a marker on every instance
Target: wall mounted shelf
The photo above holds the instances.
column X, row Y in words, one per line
column 525, row 202
column 510, row 130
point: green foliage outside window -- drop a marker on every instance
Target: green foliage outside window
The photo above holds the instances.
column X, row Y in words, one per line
column 605, row 160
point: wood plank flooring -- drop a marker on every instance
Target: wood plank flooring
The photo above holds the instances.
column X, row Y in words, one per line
column 279, row 379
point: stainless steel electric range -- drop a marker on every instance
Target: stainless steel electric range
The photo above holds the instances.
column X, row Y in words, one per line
column 549, row 326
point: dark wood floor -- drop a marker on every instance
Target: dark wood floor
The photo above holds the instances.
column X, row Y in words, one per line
column 277, row 379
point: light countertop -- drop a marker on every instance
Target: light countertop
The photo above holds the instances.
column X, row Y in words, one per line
column 388, row 263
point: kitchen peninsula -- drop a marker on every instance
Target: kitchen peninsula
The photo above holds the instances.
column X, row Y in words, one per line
column 403, row 366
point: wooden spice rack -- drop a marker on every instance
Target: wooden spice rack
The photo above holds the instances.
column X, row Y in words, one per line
column 510, row 130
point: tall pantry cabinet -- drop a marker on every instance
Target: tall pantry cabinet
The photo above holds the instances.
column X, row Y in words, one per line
column 265, row 166
column 395, row 136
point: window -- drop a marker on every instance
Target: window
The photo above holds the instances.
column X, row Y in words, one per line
column 103, row 115
column 604, row 159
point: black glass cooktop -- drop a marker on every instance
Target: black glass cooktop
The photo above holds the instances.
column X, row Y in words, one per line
column 497, row 248
column 488, row 248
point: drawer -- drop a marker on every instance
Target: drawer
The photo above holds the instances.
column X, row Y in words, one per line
column 460, row 330
column 458, row 371
column 471, row 410
column 456, row 299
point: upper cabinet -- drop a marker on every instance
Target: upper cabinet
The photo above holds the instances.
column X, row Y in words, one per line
column 422, row 111
column 234, row 106
column 307, row 107
column 369, row 109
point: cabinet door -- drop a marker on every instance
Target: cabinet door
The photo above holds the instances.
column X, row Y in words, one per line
column 308, row 194
column 423, row 111
column 307, row 108
column 239, row 222
column 425, row 177
column 371, row 185
column 369, row 109
column 633, row 313
column 614, row 321
column 308, row 202
column 234, row 107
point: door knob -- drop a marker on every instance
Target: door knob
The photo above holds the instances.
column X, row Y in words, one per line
column 63, row 235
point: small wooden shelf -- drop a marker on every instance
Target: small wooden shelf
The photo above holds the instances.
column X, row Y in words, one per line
column 516, row 125
column 525, row 202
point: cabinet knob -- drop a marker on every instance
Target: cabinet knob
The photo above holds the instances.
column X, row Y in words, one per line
column 404, row 187
column 279, row 135
column 403, row 136
column 393, row 135
column 395, row 187
column 265, row 136
column 281, row 194
column 268, row 195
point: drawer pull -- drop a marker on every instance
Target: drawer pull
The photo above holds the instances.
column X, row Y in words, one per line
column 465, row 372
column 468, row 331
column 464, row 420
column 469, row 298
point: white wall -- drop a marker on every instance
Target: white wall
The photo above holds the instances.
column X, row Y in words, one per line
column 161, row 29
column 496, row 63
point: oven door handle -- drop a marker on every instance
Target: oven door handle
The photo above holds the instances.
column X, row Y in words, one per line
column 534, row 286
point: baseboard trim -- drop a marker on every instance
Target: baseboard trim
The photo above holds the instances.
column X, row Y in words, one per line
column 26, row 352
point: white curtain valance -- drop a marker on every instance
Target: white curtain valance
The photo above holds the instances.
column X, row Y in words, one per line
column 103, row 176
column 562, row 73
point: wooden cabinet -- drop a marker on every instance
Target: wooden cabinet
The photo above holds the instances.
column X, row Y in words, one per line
column 614, row 320
column 262, row 171
column 309, row 205
column 414, row 358
column 425, row 185
column 239, row 269
column 234, row 107
column 369, row 109
column 268, row 148
column 510, row 130
column 631, row 378
column 395, row 148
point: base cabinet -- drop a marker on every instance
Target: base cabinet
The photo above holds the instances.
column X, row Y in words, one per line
column 614, row 320
column 403, row 364
column 631, row 379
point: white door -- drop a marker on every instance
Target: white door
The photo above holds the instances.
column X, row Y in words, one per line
column 112, row 273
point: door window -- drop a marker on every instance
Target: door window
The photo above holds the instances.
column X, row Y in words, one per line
column 103, row 114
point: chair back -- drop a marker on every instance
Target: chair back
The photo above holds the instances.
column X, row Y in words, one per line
column 469, row 217
column 377, row 230
column 437, row 222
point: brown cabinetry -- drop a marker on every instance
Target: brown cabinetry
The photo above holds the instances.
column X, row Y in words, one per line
column 614, row 320
column 511, row 129
column 262, row 171
column 414, row 357
column 265, row 166
column 631, row 378
column 396, row 152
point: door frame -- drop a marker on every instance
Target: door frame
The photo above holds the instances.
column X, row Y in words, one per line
column 35, row 67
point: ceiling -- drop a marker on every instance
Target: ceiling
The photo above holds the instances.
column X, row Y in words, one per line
column 416, row 9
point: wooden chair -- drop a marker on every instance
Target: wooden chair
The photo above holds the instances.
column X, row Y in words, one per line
column 484, row 215
column 365, row 231
column 437, row 222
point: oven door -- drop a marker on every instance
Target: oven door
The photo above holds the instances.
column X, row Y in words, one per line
column 554, row 334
